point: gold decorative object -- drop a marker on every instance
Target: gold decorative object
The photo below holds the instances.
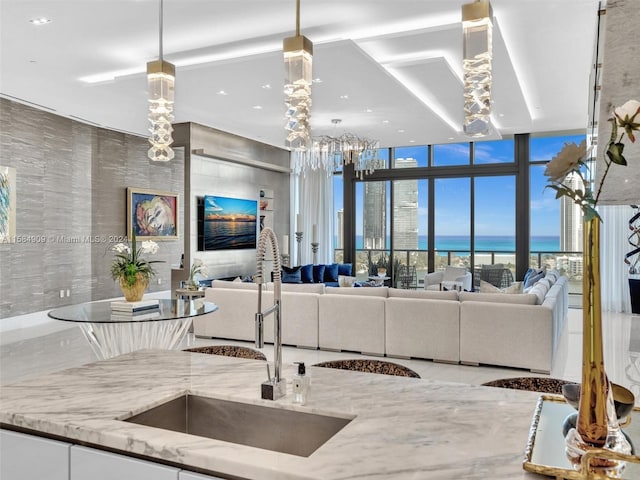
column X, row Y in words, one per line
column 597, row 424
column 134, row 292
column 544, row 453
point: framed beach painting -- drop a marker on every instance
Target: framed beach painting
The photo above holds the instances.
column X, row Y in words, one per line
column 229, row 223
column 7, row 204
column 152, row 214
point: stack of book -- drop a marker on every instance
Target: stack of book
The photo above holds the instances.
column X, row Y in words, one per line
column 131, row 311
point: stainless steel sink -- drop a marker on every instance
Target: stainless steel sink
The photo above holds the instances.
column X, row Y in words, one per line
column 277, row 429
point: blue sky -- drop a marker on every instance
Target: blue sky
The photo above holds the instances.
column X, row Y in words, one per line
column 495, row 196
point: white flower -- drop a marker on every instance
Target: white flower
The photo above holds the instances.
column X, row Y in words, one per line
column 628, row 117
column 149, row 246
column 121, row 248
column 569, row 159
column 197, row 262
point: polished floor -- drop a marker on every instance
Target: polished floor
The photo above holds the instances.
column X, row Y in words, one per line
column 48, row 345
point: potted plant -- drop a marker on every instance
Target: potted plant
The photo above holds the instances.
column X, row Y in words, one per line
column 197, row 268
column 131, row 269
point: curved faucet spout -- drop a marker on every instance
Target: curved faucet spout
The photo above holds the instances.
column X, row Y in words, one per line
column 276, row 387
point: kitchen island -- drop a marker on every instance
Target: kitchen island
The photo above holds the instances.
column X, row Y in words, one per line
column 401, row 428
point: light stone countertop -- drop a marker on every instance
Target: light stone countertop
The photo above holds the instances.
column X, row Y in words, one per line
column 404, row 428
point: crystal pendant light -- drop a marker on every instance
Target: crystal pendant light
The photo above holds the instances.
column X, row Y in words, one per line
column 477, row 28
column 298, row 54
column 161, row 84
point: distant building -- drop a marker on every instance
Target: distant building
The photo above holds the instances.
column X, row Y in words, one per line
column 571, row 218
column 405, row 209
column 375, row 215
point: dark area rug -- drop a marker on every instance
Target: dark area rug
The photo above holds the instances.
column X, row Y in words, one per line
column 534, row 384
column 370, row 366
column 229, row 351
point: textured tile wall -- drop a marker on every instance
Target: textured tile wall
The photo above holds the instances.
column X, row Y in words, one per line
column 71, row 207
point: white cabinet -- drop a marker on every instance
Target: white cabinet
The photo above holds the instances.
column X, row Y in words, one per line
column 91, row 464
column 184, row 475
column 27, row 457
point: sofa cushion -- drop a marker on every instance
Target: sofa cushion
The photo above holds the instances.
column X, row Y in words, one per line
column 361, row 291
column 540, row 291
column 552, row 276
column 318, row 273
column 427, row 294
column 344, row 269
column 306, row 273
column 234, row 285
column 521, row 299
column 486, row 287
column 291, row 275
column 331, row 273
column 301, row 287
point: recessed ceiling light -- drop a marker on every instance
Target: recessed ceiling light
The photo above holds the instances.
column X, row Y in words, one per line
column 385, row 121
column 266, row 86
column 344, row 97
column 316, row 80
column 450, row 138
column 501, row 114
column 400, row 131
column 368, row 110
column 222, row 92
column 40, row 21
column 412, row 141
column 257, row 107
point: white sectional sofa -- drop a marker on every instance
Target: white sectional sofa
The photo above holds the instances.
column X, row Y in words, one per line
column 423, row 324
column 512, row 330
column 238, row 303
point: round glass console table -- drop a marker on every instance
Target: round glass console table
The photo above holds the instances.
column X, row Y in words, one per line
column 111, row 334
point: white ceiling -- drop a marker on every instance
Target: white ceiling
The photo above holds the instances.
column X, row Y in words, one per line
column 398, row 61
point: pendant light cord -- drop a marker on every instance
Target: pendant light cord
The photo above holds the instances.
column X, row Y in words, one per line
column 297, row 18
column 160, row 20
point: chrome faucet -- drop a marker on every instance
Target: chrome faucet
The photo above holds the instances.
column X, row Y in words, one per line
column 275, row 387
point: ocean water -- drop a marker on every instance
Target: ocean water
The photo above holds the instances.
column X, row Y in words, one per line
column 460, row 243
column 222, row 235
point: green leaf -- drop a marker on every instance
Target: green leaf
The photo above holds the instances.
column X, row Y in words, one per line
column 614, row 153
column 590, row 213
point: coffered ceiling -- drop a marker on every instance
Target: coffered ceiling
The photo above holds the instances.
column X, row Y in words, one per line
column 389, row 69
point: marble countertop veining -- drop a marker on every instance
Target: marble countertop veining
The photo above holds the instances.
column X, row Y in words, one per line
column 404, row 428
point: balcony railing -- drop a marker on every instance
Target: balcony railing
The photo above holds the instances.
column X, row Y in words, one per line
column 566, row 262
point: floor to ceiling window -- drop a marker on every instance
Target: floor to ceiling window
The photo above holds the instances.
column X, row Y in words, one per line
column 456, row 204
column 556, row 224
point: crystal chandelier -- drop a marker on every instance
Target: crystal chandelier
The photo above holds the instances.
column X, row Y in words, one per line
column 329, row 153
column 298, row 54
column 477, row 28
column 161, row 80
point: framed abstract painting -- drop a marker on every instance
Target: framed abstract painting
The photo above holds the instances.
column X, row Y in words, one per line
column 7, row 204
column 152, row 214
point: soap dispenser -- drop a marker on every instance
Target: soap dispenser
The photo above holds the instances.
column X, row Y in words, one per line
column 300, row 385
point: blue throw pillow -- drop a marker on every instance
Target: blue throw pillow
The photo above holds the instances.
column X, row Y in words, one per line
column 318, row 273
column 344, row 269
column 331, row 273
column 527, row 275
column 533, row 278
column 306, row 273
column 291, row 275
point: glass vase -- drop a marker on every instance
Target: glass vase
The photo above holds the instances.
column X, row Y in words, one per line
column 597, row 424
